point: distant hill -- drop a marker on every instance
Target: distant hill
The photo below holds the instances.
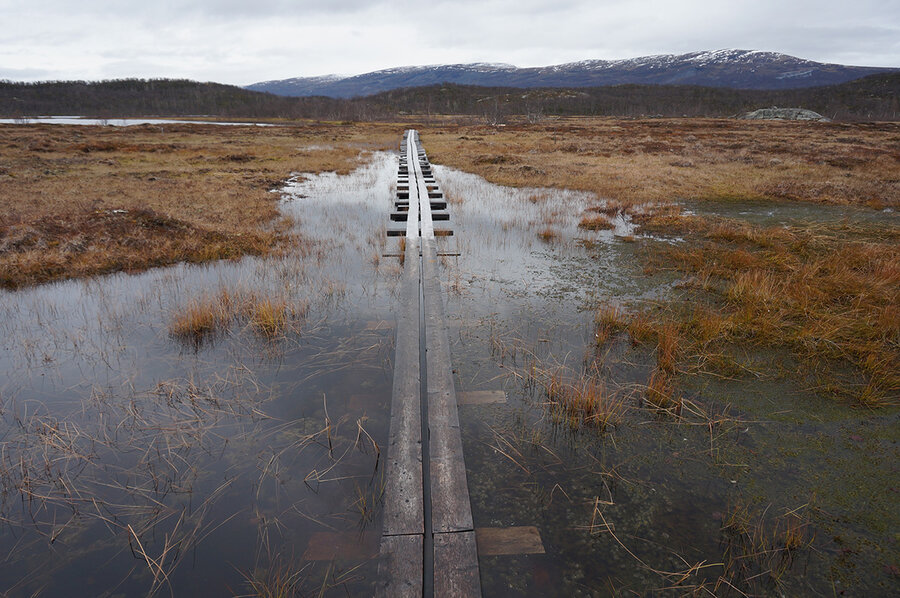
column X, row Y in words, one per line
column 737, row 69
column 876, row 97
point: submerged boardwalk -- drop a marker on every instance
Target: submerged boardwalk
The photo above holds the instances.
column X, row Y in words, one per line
column 428, row 538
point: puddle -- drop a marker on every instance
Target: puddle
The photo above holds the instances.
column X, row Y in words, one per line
column 776, row 213
column 233, row 464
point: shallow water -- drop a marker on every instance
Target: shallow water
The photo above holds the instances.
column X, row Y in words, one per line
column 119, row 122
column 784, row 213
column 218, row 459
column 633, row 508
column 228, row 459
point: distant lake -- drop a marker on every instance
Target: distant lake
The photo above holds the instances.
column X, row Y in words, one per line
column 120, row 122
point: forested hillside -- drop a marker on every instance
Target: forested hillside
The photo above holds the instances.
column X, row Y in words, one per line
column 876, row 97
column 872, row 98
column 147, row 97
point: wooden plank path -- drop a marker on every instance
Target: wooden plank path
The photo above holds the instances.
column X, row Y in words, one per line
column 428, row 539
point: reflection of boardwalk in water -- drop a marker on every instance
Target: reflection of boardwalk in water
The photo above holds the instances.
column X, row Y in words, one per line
column 428, row 535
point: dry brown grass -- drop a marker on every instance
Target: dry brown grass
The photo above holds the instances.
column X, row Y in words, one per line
column 205, row 317
column 80, row 200
column 660, row 392
column 583, row 402
column 595, row 222
column 548, row 234
column 826, row 293
column 634, row 161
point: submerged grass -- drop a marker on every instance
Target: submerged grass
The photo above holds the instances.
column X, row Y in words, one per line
column 759, row 549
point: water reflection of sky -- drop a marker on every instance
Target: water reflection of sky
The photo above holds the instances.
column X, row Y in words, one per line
column 119, row 122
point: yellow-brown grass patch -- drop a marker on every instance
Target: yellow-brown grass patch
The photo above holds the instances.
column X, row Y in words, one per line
column 82, row 200
column 635, row 161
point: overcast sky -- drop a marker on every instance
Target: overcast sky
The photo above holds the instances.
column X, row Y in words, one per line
column 242, row 42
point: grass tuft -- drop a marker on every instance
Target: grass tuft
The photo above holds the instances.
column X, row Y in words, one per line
column 596, row 222
column 208, row 316
column 269, row 316
column 200, row 321
column 584, row 402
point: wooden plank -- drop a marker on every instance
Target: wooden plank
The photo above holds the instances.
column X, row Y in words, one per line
column 400, row 570
column 451, row 509
column 412, row 223
column 494, row 541
column 456, row 572
column 425, row 206
column 403, row 493
column 330, row 546
column 480, row 397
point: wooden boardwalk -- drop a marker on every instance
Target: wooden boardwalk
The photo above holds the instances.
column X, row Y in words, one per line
column 428, row 538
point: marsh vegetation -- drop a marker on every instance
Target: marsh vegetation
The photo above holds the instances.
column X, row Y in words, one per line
column 698, row 342
column 80, row 201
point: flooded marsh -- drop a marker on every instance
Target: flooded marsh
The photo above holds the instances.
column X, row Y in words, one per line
column 190, row 429
column 220, row 428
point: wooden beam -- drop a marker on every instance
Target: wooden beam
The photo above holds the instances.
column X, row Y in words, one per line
column 400, row 569
column 456, row 571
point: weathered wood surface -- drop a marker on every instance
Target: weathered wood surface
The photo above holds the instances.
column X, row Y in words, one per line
column 494, row 541
column 450, row 525
column 451, row 509
column 404, row 511
column 401, row 567
column 456, row 565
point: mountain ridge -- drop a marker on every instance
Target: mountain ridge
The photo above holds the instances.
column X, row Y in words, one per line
column 731, row 68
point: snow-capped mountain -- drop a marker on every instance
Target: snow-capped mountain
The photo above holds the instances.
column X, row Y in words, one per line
column 740, row 69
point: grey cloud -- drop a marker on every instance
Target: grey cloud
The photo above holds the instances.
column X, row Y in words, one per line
column 14, row 74
column 236, row 41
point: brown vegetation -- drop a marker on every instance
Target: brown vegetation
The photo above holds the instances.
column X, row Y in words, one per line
column 760, row 548
column 209, row 315
column 583, row 402
column 636, row 161
column 82, row 200
column 828, row 294
column 825, row 293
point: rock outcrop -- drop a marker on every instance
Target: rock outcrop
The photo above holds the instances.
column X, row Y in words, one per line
column 784, row 114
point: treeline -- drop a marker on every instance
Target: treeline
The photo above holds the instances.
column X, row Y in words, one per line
column 876, row 97
column 152, row 97
column 870, row 98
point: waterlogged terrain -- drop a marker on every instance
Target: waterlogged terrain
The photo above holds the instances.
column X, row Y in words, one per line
column 218, row 430
column 188, row 430
column 755, row 485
